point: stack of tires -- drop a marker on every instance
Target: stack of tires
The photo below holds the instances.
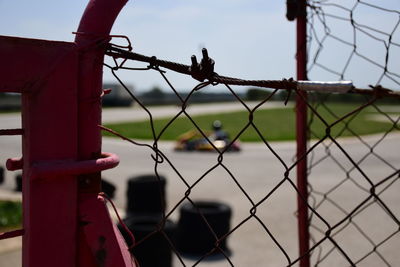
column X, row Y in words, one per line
column 202, row 228
column 146, row 203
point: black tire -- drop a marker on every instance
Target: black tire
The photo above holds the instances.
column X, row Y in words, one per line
column 146, row 195
column 18, row 183
column 154, row 251
column 194, row 237
column 1, row 175
column 108, row 188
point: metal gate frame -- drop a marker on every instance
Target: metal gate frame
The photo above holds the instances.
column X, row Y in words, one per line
column 65, row 221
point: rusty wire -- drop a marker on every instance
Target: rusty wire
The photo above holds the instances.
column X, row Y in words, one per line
column 327, row 234
column 284, row 84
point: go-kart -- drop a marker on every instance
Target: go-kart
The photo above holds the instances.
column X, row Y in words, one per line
column 194, row 141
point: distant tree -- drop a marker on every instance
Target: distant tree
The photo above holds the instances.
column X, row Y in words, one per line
column 155, row 93
column 257, row 94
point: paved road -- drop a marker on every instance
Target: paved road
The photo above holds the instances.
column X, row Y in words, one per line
column 258, row 171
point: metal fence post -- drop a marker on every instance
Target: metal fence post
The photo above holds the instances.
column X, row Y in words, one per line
column 45, row 72
column 65, row 220
column 301, row 136
column 99, row 241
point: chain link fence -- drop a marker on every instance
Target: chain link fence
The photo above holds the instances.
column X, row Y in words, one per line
column 353, row 163
column 359, row 218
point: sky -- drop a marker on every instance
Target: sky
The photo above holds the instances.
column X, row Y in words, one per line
column 249, row 39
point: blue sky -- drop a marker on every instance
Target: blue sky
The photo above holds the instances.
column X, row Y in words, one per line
column 249, row 39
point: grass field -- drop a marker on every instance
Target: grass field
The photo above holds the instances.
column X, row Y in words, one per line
column 10, row 215
column 273, row 124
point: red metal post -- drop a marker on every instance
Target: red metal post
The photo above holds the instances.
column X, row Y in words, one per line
column 45, row 72
column 100, row 243
column 301, row 136
column 66, row 223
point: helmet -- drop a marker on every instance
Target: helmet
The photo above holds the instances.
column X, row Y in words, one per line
column 217, row 125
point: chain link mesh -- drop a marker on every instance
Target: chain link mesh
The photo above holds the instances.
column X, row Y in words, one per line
column 359, row 218
column 353, row 178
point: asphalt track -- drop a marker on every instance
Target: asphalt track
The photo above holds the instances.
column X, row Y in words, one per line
column 258, row 171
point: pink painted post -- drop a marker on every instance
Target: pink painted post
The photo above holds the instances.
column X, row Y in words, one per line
column 100, row 243
column 301, row 136
column 45, row 72
column 66, row 222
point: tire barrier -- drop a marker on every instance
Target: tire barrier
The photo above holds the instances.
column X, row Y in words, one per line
column 108, row 188
column 194, row 237
column 146, row 195
column 1, row 175
column 18, row 183
column 154, row 250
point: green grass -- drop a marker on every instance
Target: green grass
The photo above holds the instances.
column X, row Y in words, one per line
column 10, row 215
column 273, row 124
column 10, row 111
